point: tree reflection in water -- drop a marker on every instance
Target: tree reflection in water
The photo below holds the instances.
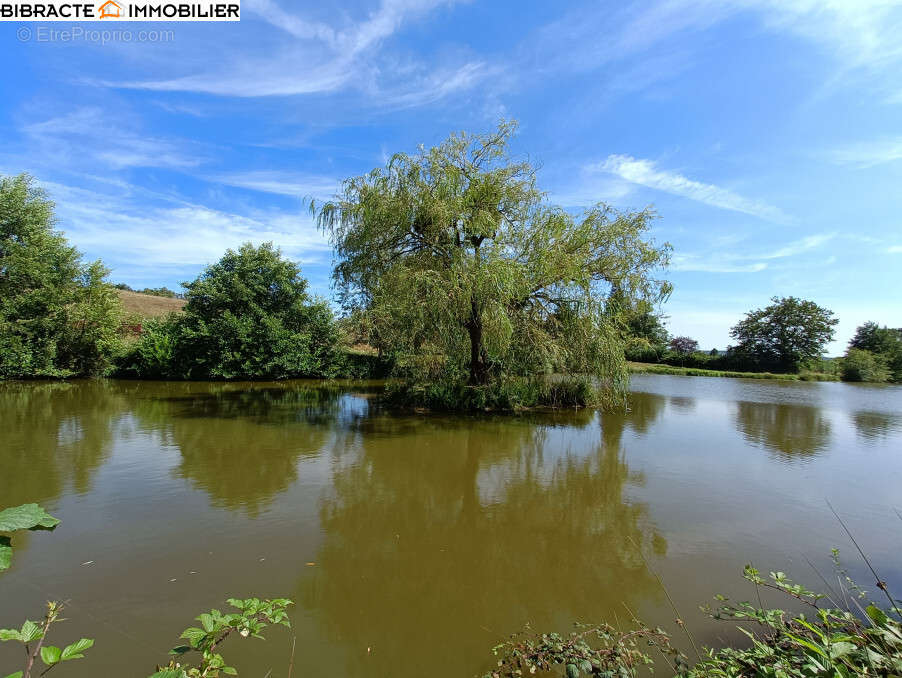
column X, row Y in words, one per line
column 443, row 535
column 55, row 435
column 240, row 443
column 792, row 431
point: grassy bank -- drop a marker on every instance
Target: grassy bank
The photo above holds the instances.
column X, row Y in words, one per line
column 648, row 368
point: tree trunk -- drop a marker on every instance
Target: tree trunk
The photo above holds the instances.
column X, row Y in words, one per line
column 479, row 373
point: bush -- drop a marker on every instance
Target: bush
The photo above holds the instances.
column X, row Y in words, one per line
column 154, row 354
column 861, row 365
column 248, row 317
column 509, row 394
column 59, row 317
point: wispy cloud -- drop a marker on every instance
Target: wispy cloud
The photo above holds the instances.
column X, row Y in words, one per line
column 869, row 153
column 282, row 183
column 646, row 173
column 178, row 235
column 73, row 136
column 318, row 58
column 716, row 261
column 798, row 246
column 711, row 264
column 895, row 249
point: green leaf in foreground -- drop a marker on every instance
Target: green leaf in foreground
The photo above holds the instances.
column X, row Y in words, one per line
column 26, row 517
column 50, row 654
column 74, row 651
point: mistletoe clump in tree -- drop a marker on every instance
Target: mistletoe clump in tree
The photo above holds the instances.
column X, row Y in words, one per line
column 473, row 281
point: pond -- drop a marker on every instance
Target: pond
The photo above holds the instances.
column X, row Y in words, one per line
column 411, row 544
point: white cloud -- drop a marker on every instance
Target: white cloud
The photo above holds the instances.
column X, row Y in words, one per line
column 646, row 173
column 90, row 132
column 717, row 262
column 799, row 246
column 713, row 264
column 319, row 58
column 135, row 236
column 282, row 183
column 895, row 249
column 869, row 153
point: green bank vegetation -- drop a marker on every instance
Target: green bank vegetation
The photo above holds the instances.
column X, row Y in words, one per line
column 456, row 278
column 839, row 634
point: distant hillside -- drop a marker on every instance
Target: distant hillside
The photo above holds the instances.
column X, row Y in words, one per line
column 149, row 306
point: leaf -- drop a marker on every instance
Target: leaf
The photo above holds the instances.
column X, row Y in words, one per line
column 229, row 671
column 206, row 621
column 572, row 671
column 10, row 634
column 30, row 631
column 74, row 651
column 876, row 615
column 837, row 650
column 6, row 553
column 26, row 517
column 181, row 649
column 17, row 674
column 50, row 654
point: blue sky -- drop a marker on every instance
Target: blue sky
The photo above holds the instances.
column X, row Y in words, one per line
column 766, row 133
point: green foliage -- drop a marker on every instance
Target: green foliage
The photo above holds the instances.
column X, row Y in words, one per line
column 59, row 317
column 252, row 617
column 158, row 292
column 824, row 641
column 510, row 393
column 467, row 275
column 785, row 334
column 599, row 650
column 861, row 365
column 248, row 316
column 875, row 354
column 154, row 354
column 641, row 326
column 24, row 517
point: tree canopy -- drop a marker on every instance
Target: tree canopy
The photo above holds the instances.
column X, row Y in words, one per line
column 58, row 316
column 468, row 273
column 875, row 354
column 785, row 334
column 248, row 316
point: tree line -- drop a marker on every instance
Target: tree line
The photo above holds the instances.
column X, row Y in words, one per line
column 452, row 269
column 788, row 336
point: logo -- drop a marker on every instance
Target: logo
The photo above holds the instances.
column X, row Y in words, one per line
column 120, row 10
column 110, row 9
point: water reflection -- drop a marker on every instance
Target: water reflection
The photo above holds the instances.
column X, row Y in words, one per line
column 241, row 443
column 792, row 431
column 442, row 536
column 54, row 436
column 876, row 424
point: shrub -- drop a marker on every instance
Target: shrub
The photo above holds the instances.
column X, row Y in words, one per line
column 248, row 316
column 509, row 394
column 861, row 365
column 154, row 354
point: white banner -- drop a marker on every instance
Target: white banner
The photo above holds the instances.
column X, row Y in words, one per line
column 110, row 11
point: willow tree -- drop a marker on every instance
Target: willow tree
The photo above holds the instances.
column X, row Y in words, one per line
column 470, row 275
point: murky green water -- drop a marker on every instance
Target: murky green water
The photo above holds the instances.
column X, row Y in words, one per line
column 412, row 544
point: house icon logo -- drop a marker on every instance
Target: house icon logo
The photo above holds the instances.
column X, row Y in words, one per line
column 110, row 9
